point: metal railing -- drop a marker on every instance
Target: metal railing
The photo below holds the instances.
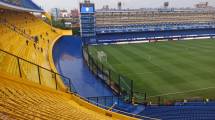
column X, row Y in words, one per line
column 89, row 99
column 37, row 73
column 124, row 87
column 120, row 85
column 22, row 68
column 108, row 100
column 203, row 95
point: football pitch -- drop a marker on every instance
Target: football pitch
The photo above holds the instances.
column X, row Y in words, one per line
column 175, row 69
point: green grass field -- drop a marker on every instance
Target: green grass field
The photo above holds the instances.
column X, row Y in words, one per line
column 164, row 68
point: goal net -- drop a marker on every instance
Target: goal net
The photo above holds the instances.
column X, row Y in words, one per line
column 102, row 57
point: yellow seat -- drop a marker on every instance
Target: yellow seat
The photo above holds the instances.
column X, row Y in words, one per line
column 16, row 42
column 24, row 99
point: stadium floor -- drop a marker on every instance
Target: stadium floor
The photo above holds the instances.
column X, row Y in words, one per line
column 166, row 68
column 68, row 61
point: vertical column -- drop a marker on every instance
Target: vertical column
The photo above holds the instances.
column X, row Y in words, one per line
column 55, row 77
column 38, row 69
column 119, row 83
column 131, row 91
column 20, row 72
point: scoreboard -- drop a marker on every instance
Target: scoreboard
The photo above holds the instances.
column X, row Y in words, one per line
column 87, row 9
column 87, row 22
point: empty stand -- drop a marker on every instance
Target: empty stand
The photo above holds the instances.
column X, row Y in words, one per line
column 152, row 17
column 24, row 48
column 191, row 111
column 130, row 21
column 155, row 35
column 20, row 100
column 27, row 37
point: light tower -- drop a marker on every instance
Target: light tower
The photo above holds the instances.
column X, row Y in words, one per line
column 166, row 4
column 87, row 1
column 119, row 5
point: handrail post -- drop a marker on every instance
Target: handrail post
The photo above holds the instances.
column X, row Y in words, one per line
column 117, row 100
column 97, row 69
column 88, row 99
column 70, row 88
column 112, row 99
column 145, row 96
column 105, row 99
column 119, row 82
column 131, row 91
column 20, row 72
column 97, row 101
column 38, row 69
column 159, row 100
column 89, row 62
column 103, row 76
column 109, row 77
column 55, row 77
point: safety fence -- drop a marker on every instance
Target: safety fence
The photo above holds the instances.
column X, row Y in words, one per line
column 17, row 66
column 118, row 83
column 203, row 95
column 112, row 104
column 110, row 101
column 124, row 87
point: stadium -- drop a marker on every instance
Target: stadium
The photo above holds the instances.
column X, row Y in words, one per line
column 148, row 64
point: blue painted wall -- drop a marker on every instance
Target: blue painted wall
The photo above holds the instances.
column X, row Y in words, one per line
column 68, row 60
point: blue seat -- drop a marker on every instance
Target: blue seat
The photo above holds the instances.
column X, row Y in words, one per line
column 129, row 36
column 190, row 110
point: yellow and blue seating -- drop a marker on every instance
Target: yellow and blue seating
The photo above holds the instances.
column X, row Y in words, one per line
column 23, row 98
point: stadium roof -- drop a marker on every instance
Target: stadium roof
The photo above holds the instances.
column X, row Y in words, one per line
column 22, row 5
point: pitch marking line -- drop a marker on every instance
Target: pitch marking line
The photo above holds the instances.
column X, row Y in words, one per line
column 183, row 92
column 142, row 73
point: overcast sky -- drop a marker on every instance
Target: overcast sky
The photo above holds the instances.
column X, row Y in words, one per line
column 71, row 4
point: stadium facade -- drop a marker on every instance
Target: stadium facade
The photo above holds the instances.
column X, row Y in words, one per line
column 47, row 75
column 138, row 22
column 146, row 25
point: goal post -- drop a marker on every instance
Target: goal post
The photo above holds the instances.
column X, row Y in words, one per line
column 102, row 56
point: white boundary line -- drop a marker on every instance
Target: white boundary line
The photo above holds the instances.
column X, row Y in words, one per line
column 182, row 92
column 142, row 73
column 147, row 41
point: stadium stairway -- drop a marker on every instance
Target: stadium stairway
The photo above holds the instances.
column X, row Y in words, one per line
column 67, row 54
